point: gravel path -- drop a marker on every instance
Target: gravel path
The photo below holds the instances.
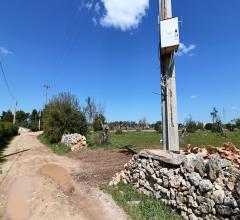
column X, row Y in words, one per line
column 38, row 184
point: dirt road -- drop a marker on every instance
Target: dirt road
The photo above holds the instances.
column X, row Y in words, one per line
column 38, row 184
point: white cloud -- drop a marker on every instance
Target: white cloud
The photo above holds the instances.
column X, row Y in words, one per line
column 185, row 50
column 193, row 96
column 5, row 51
column 123, row 14
column 97, row 8
column 86, row 4
column 94, row 20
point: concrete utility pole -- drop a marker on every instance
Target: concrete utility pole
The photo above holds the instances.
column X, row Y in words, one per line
column 47, row 87
column 168, row 87
column 14, row 115
column 39, row 120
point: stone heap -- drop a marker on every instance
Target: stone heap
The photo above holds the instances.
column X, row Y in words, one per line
column 195, row 187
column 75, row 141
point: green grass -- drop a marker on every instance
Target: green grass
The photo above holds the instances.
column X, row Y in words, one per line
column 59, row 149
column 137, row 205
column 140, row 140
column 210, row 138
column 130, row 139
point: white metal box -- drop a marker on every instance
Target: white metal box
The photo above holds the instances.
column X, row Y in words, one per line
column 169, row 30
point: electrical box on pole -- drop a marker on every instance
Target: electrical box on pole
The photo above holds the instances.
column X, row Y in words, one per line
column 169, row 37
column 169, row 30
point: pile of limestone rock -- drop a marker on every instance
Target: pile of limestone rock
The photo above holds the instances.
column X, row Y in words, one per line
column 195, row 186
column 75, row 141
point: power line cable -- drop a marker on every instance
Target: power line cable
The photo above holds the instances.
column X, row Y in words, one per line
column 6, row 82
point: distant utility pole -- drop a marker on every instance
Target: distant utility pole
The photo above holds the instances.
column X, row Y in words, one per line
column 47, row 87
column 39, row 120
column 169, row 35
column 14, row 115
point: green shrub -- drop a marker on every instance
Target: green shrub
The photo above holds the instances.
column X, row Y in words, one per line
column 63, row 115
column 7, row 130
column 209, row 126
column 230, row 127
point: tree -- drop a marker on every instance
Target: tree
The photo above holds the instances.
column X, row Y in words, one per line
column 21, row 116
column 63, row 115
column 90, row 110
column 214, row 115
column 34, row 116
column 191, row 126
column 158, row 126
column 143, row 123
column 7, row 116
column 98, row 121
column 237, row 122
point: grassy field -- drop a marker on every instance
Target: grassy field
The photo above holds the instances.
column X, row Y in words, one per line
column 141, row 140
column 210, row 138
column 59, row 149
column 130, row 139
column 139, row 206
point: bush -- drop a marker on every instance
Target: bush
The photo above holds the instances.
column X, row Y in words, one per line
column 191, row 126
column 209, row 126
column 63, row 115
column 230, row 127
column 7, row 130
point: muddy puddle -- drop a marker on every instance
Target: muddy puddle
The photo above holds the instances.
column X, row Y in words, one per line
column 59, row 175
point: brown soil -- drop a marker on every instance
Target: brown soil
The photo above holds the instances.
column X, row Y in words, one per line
column 99, row 165
column 38, row 184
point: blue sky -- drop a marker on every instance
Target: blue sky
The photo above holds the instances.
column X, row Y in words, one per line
column 107, row 49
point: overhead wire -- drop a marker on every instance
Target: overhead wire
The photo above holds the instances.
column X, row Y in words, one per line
column 6, row 82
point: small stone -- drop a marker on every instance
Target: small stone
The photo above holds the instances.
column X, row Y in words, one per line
column 142, row 175
column 231, row 186
column 156, row 187
column 205, row 205
column 213, row 167
column 229, row 200
column 218, row 196
column 149, row 170
column 135, row 177
column 195, row 178
column 200, row 167
column 164, row 191
column 180, row 198
column 159, row 181
column 184, row 215
column 172, row 194
column 225, row 163
column 224, row 210
column 165, row 182
column 193, row 217
column 175, row 181
column 192, row 202
column 205, row 186
column 156, row 164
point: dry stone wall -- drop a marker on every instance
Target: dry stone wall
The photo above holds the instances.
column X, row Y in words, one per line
column 197, row 188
